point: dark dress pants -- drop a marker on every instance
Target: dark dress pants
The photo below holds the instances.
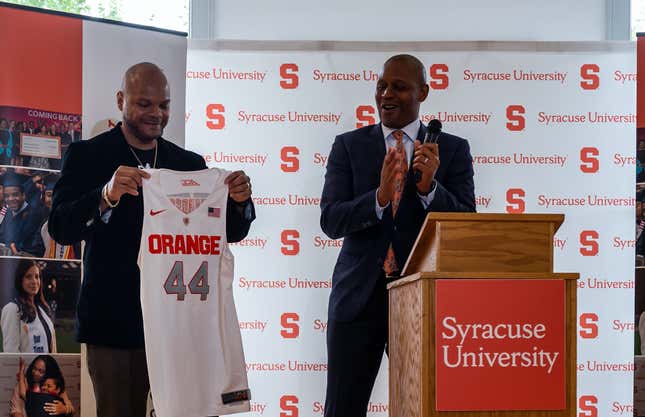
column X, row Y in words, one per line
column 354, row 353
column 120, row 379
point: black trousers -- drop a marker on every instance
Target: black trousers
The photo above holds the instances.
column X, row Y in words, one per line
column 120, row 379
column 354, row 353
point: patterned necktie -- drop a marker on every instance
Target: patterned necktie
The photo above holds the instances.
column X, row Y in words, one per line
column 390, row 265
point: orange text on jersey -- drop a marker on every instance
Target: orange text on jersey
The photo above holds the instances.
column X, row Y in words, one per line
column 184, row 244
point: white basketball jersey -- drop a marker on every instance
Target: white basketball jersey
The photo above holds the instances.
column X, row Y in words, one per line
column 192, row 335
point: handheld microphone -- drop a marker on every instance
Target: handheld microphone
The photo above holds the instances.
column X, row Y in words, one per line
column 432, row 136
column 434, row 130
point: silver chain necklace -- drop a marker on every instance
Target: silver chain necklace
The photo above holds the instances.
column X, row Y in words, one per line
column 147, row 166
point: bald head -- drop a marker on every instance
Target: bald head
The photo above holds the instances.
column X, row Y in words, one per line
column 142, row 73
column 144, row 101
column 413, row 63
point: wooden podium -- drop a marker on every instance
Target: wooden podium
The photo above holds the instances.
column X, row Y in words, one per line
column 469, row 246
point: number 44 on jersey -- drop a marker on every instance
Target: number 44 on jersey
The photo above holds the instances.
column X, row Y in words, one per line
column 198, row 284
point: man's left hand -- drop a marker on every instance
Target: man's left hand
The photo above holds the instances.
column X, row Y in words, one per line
column 239, row 186
column 426, row 161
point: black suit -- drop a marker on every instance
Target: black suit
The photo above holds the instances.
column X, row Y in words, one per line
column 109, row 315
column 357, row 330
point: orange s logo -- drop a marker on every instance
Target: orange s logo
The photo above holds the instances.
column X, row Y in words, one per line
column 589, row 158
column 439, row 77
column 515, row 116
column 215, row 116
column 589, row 77
column 589, row 243
column 588, row 323
column 289, row 75
column 365, row 116
column 290, row 327
column 289, row 157
column 290, row 244
column 515, row 200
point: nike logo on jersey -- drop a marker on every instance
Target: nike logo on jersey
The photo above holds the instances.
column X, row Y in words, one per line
column 154, row 213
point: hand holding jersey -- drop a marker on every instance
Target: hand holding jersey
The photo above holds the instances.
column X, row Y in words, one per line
column 128, row 180
column 239, row 186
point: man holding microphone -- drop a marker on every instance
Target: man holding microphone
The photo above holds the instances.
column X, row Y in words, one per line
column 381, row 181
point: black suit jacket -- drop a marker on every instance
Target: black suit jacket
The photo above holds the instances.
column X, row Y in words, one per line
column 109, row 308
column 348, row 210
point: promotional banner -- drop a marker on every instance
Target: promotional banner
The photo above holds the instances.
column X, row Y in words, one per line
column 639, row 304
column 550, row 127
column 58, row 87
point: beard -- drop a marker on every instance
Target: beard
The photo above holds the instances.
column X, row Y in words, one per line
column 138, row 133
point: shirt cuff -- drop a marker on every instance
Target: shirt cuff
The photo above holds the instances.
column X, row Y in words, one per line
column 379, row 209
column 426, row 200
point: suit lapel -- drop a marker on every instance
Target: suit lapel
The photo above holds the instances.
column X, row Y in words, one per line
column 422, row 133
column 376, row 147
column 376, row 135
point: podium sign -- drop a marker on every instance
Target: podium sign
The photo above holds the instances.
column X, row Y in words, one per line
column 500, row 344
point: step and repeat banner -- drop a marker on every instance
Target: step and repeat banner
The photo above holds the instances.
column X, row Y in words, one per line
column 551, row 129
column 639, row 305
column 58, row 85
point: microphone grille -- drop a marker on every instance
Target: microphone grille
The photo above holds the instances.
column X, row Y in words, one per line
column 434, row 126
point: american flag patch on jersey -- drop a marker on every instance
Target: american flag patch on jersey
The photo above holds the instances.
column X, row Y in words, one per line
column 213, row 212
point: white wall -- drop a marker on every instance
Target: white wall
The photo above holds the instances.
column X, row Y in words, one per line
column 401, row 20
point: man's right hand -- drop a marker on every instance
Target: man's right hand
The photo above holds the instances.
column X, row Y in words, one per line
column 389, row 171
column 126, row 180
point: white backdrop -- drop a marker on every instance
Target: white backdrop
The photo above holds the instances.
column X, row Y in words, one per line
column 561, row 141
column 423, row 20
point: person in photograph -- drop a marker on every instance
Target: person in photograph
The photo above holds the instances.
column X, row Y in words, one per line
column 16, row 159
column 49, row 393
column 40, row 161
column 34, row 185
column 6, row 142
column 53, row 130
column 26, row 322
column 65, row 138
column 372, row 199
column 640, row 226
column 43, row 375
column 54, row 163
column 3, row 206
column 640, row 156
column 20, row 229
column 98, row 199
column 53, row 249
column 31, row 127
column 72, row 133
